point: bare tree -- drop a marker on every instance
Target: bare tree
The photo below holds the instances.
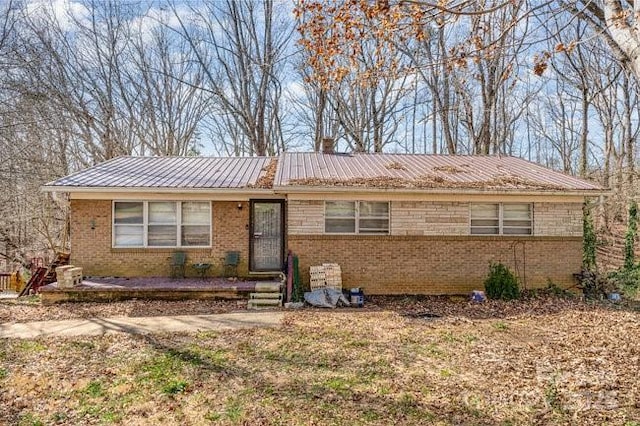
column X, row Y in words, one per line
column 241, row 46
column 617, row 22
column 170, row 106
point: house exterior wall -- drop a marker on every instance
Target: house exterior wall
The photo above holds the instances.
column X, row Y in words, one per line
column 557, row 219
column 429, row 218
column 92, row 249
column 430, row 249
column 306, row 217
column 437, row 264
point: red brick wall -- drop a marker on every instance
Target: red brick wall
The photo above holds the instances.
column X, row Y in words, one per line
column 91, row 248
column 434, row 264
column 379, row 264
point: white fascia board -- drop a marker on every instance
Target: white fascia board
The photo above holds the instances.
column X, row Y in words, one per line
column 95, row 193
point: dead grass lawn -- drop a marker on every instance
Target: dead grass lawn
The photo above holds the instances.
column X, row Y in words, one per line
column 572, row 365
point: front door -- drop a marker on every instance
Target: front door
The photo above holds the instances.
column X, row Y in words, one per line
column 267, row 235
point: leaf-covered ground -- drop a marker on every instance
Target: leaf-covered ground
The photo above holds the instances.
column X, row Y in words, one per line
column 30, row 309
column 550, row 361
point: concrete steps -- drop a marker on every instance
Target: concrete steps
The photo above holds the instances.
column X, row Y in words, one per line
column 267, row 295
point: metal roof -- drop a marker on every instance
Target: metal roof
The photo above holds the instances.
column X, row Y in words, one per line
column 421, row 171
column 170, row 172
column 298, row 170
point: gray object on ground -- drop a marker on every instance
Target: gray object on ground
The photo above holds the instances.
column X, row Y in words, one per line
column 326, row 298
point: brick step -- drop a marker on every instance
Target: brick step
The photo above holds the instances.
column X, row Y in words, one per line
column 267, row 287
column 265, row 296
column 263, row 303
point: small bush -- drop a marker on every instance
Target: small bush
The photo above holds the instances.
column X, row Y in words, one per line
column 501, row 283
column 627, row 280
column 594, row 285
column 554, row 289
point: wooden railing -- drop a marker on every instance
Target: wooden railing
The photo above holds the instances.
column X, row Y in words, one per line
column 5, row 281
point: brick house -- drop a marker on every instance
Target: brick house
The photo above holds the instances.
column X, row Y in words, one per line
column 397, row 224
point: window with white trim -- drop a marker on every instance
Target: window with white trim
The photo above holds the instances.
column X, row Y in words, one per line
column 501, row 219
column 356, row 217
column 161, row 224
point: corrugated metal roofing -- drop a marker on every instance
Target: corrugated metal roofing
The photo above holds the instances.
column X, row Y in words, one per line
column 170, row 172
column 421, row 171
column 297, row 169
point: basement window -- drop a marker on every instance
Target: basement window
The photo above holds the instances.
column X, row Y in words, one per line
column 356, row 217
column 161, row 224
column 501, row 219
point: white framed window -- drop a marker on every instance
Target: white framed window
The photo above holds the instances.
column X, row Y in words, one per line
column 501, row 219
column 356, row 217
column 161, row 224
column 128, row 224
column 196, row 224
column 162, row 220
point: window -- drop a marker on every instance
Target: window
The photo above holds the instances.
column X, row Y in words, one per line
column 516, row 219
column 485, row 218
column 340, row 217
column 161, row 224
column 501, row 219
column 356, row 217
column 196, row 219
column 128, row 224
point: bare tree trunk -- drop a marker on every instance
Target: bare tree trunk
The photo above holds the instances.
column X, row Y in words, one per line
column 584, row 136
column 630, row 139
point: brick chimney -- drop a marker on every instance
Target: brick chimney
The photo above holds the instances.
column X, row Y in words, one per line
column 328, row 145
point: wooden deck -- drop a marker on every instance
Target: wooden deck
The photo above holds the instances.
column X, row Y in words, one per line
column 112, row 289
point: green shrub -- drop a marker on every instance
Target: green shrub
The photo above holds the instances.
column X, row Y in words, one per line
column 501, row 283
column 630, row 236
column 626, row 279
column 554, row 289
column 595, row 285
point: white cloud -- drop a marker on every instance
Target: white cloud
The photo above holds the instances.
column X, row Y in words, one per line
column 65, row 12
column 155, row 17
column 294, row 90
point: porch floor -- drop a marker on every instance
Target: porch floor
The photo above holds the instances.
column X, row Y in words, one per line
column 104, row 289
